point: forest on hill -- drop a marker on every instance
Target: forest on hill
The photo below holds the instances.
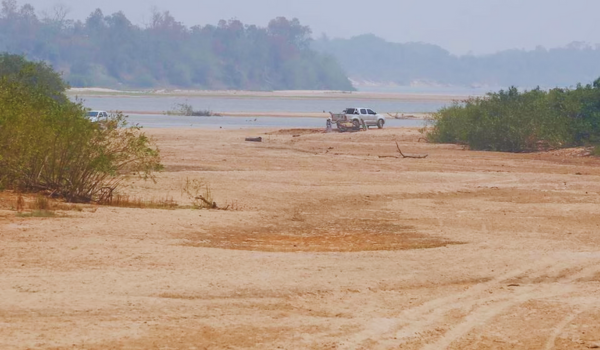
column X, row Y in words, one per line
column 372, row 59
column 111, row 51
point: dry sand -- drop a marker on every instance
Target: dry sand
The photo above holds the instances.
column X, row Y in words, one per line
column 329, row 247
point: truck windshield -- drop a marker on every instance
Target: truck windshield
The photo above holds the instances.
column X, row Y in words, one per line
column 92, row 114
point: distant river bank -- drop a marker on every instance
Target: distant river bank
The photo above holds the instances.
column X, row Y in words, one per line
column 258, row 104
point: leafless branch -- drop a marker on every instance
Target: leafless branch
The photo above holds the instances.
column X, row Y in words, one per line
column 405, row 156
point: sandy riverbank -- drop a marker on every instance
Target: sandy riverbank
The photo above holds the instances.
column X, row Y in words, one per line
column 295, row 94
column 332, row 243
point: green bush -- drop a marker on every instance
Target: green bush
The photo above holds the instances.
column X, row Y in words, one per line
column 185, row 109
column 514, row 121
column 47, row 144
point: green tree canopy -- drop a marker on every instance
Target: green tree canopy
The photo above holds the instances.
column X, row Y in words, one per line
column 34, row 75
column 109, row 50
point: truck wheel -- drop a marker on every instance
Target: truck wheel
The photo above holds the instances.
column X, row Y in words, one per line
column 380, row 123
column 356, row 124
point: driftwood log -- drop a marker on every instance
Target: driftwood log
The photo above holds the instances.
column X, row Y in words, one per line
column 212, row 205
column 404, row 155
column 254, row 139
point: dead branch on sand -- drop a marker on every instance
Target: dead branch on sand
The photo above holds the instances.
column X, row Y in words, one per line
column 414, row 157
column 405, row 156
column 200, row 194
column 210, row 205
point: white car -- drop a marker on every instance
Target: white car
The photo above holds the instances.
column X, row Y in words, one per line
column 370, row 117
column 96, row 116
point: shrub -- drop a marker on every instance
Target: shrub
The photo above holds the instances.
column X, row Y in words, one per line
column 515, row 121
column 47, row 144
column 187, row 110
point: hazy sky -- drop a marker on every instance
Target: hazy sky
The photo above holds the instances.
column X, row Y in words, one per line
column 479, row 26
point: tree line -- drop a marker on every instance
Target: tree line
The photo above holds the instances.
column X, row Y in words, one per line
column 111, row 51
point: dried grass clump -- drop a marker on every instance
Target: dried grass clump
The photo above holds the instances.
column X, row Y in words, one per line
column 125, row 201
column 40, row 203
column 37, row 214
column 40, row 207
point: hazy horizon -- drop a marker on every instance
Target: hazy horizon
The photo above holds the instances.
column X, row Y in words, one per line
column 460, row 26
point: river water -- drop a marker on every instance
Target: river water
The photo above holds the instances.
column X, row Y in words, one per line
column 166, row 121
column 160, row 104
column 155, row 107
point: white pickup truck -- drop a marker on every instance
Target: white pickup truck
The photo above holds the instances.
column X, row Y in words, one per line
column 357, row 116
column 96, row 116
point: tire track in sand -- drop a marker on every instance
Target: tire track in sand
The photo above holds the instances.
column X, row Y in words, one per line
column 416, row 317
column 485, row 314
column 481, row 306
column 559, row 328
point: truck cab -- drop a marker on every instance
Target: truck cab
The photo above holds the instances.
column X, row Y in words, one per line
column 370, row 117
column 96, row 116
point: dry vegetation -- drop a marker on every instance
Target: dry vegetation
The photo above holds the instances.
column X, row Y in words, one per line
column 126, row 201
column 35, row 205
column 330, row 247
